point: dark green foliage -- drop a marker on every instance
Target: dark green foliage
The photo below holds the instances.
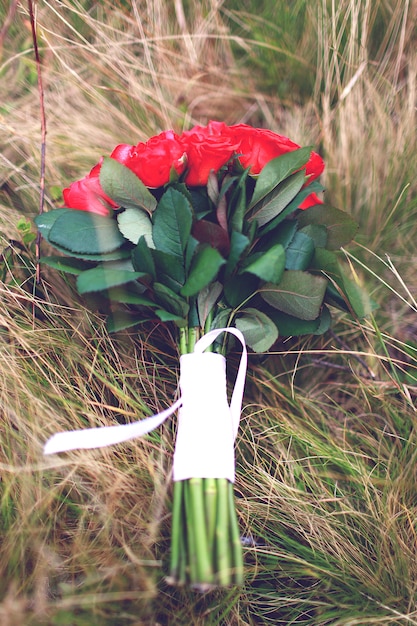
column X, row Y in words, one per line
column 276, row 265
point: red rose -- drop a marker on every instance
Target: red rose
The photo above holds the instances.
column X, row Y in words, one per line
column 87, row 195
column 208, row 148
column 153, row 161
column 311, row 200
column 258, row 146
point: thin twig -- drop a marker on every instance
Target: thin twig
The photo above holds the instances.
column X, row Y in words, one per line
column 43, row 133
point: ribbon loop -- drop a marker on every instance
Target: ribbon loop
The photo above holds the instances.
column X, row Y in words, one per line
column 239, row 387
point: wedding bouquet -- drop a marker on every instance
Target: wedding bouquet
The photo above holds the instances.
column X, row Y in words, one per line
column 222, row 232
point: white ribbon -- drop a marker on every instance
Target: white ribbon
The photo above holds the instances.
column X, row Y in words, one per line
column 207, row 425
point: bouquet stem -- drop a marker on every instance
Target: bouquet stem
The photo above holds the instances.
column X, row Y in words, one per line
column 205, row 542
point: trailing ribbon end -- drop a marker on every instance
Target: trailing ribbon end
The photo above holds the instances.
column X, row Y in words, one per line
column 89, row 438
column 107, row 435
column 63, row 442
column 52, row 446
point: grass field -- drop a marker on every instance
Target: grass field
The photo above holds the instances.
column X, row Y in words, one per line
column 326, row 456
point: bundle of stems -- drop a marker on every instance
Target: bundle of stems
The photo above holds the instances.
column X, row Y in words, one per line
column 206, row 549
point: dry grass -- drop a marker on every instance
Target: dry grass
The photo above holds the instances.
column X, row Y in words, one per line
column 69, row 523
column 326, row 455
column 369, row 114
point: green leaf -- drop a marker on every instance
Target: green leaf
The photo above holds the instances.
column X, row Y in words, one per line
column 63, row 264
column 357, row 297
column 117, row 255
column 250, row 230
column 193, row 319
column 223, row 319
column 204, row 268
column 182, row 188
column 120, row 320
column 238, row 244
column 169, row 269
column 199, row 201
column 344, row 292
column 299, row 294
column 327, row 261
column 172, row 222
column 121, row 264
column 300, row 252
column 238, row 203
column 258, row 329
column 134, row 224
column 282, row 234
column 165, row 316
column 26, row 234
column 82, row 232
column 227, row 183
column 207, row 299
column 192, row 246
column 124, row 187
column 317, row 232
column 126, row 295
column 268, row 266
column 290, row 326
column 341, row 228
column 313, row 187
column 239, row 288
column 46, row 220
column 142, row 259
column 277, row 200
column 120, row 253
column 170, row 301
column 277, row 170
column 102, row 277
